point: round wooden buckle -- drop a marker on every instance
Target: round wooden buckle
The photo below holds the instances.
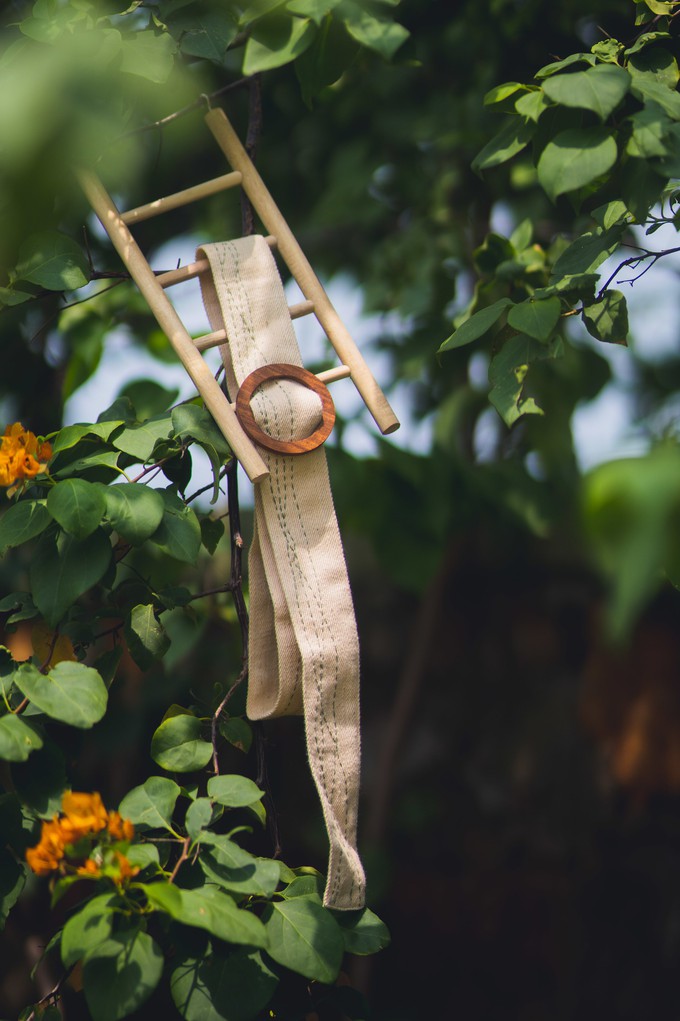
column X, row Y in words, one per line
column 282, row 370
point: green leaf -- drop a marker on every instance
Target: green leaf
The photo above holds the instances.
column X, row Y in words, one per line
column 536, row 318
column 179, row 533
column 10, row 296
column 276, row 40
column 507, row 374
column 663, row 7
column 120, row 974
column 199, row 816
column 362, row 931
column 608, row 50
column 574, row 158
column 237, row 732
column 22, row 521
column 600, row 88
column 150, row 806
column 190, row 421
column 222, row 987
column 641, row 187
column 511, row 139
column 304, row 937
column 134, row 510
column 630, row 509
column 53, row 261
column 17, row 738
column 370, row 27
column 559, row 65
column 177, row 745
column 655, row 64
column 607, row 319
column 193, row 422
column 610, row 214
column 145, row 635
column 307, row 886
column 650, row 89
column 211, row 533
column 476, row 326
column 314, row 9
column 143, row 855
column 12, row 881
column 101, row 465
column 234, row 791
column 149, row 55
column 139, row 440
column 210, row 909
column 72, row 434
column 76, row 505
column 225, row 863
column 646, row 39
column 650, row 127
column 532, row 104
column 501, row 92
column 204, row 32
column 588, row 251
column 70, row 692
column 60, row 574
column 89, row 927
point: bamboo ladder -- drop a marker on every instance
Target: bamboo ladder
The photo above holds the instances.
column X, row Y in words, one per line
column 189, row 350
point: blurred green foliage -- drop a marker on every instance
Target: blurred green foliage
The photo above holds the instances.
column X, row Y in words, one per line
column 394, row 173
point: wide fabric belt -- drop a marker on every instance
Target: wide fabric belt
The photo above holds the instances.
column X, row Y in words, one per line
column 303, row 649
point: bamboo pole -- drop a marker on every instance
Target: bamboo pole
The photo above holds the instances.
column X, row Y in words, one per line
column 181, row 198
column 309, row 284
column 172, row 326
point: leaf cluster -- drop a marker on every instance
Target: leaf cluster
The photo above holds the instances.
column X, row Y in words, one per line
column 599, row 129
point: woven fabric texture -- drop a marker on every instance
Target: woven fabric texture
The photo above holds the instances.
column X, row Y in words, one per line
column 304, row 651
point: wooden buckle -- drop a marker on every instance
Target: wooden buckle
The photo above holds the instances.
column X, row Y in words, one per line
column 282, row 370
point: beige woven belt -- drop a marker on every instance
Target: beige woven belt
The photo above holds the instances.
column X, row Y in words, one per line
column 304, row 652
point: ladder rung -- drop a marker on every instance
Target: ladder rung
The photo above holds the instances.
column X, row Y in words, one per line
column 182, row 198
column 303, row 308
column 194, row 269
column 209, row 340
column 332, row 375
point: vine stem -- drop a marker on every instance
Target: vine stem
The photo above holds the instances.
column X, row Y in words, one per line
column 184, row 854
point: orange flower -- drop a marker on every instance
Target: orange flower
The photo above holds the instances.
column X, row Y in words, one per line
column 85, row 815
column 119, row 828
column 125, row 869
column 46, row 855
column 89, row 868
column 22, row 456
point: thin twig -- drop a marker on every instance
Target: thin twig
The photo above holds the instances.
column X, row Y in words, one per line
column 184, row 854
column 635, row 260
column 235, row 585
column 196, row 105
column 204, row 489
column 53, row 993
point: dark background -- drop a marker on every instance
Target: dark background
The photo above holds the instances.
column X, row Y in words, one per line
column 521, row 814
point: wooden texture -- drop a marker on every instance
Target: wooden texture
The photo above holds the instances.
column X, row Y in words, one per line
column 281, row 370
column 181, row 198
column 172, row 326
column 292, row 254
